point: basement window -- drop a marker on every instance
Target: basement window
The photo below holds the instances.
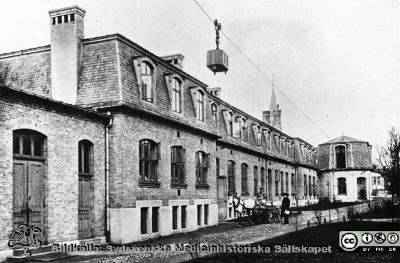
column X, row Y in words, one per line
column 143, row 219
column 183, row 216
column 175, row 217
column 154, row 219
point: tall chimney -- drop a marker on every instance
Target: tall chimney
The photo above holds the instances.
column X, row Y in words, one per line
column 67, row 25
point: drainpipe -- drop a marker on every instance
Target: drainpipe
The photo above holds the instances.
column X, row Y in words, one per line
column 107, row 174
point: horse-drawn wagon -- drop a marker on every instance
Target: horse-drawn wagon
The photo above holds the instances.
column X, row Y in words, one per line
column 256, row 211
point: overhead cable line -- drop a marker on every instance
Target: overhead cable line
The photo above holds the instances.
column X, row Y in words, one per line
column 262, row 73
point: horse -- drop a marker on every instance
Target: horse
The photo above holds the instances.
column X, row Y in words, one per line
column 242, row 207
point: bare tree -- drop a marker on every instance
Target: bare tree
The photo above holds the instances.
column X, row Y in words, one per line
column 389, row 161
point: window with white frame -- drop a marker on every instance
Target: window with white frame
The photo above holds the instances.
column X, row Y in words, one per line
column 214, row 111
column 147, row 81
column 176, row 95
column 200, row 105
column 202, row 165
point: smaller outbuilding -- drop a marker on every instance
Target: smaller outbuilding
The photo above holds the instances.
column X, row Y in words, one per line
column 346, row 170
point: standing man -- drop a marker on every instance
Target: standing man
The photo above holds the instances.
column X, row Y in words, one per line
column 285, row 208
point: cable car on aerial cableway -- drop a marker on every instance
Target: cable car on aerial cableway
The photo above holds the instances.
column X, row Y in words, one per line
column 217, row 59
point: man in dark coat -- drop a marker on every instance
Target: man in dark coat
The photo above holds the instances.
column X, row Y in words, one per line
column 285, row 208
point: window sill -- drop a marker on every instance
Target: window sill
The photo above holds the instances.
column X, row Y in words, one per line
column 202, row 186
column 178, row 186
column 149, row 184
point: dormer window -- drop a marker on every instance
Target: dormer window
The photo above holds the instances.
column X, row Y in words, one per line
column 145, row 70
column 214, row 111
column 147, row 81
column 176, row 95
column 230, row 124
column 243, row 129
column 200, row 105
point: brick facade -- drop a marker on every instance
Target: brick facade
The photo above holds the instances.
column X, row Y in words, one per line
column 109, row 88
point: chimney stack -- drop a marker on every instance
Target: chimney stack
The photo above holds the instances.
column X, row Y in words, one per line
column 67, row 33
column 175, row 59
column 216, row 91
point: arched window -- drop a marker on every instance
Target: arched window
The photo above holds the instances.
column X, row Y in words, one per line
column 200, row 105
column 149, row 155
column 244, row 179
column 230, row 124
column 342, row 188
column 147, row 81
column 214, row 111
column 178, row 159
column 340, row 151
column 255, row 180
column 176, row 94
column 231, row 177
column 202, row 165
column 85, row 156
column 28, row 143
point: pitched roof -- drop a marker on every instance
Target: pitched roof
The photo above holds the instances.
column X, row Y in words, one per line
column 342, row 139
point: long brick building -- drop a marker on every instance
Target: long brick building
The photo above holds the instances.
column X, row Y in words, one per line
column 100, row 138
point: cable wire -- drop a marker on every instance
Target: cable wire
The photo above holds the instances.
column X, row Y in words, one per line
column 262, row 73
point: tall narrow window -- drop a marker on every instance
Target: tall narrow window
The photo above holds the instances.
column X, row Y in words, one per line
column 200, row 105
column 154, row 219
column 214, row 111
column 243, row 129
column 175, row 217
column 147, row 81
column 176, row 95
column 255, row 180
column 231, row 177
column 199, row 215
column 276, row 183
column 342, row 186
column 305, row 185
column 148, row 160
column 230, row 124
column 217, row 167
column 340, row 156
column 293, row 184
column 309, row 185
column 205, row 214
column 244, row 179
column 287, row 183
column 183, row 216
column 178, row 165
column 263, row 186
column 282, row 183
column 85, row 157
column 144, row 214
column 314, row 187
column 202, row 164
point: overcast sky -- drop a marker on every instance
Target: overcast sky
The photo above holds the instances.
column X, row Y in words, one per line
column 338, row 60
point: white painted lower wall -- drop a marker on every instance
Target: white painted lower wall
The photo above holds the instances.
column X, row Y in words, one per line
column 331, row 180
column 125, row 223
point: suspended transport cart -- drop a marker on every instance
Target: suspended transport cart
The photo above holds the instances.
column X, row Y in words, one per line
column 217, row 59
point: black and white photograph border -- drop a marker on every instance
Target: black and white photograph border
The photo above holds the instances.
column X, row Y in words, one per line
column 126, row 134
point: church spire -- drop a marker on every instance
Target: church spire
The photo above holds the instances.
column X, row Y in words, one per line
column 272, row 106
column 273, row 116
